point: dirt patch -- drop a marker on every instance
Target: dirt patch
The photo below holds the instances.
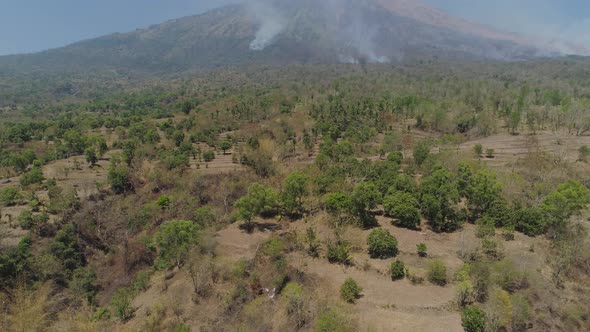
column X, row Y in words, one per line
column 222, row 164
column 508, row 148
column 236, row 244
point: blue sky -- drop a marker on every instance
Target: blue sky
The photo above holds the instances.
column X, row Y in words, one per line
column 34, row 25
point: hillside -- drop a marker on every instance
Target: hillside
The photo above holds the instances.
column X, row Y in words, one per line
column 281, row 32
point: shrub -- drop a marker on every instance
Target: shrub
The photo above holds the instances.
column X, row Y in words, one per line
column 120, row 179
column 395, row 157
column 34, row 176
column 27, row 220
column 313, row 243
column 204, row 216
column 102, row 314
column 485, row 227
column 83, row 284
column 473, row 319
column 121, row 305
column 478, row 149
column 437, row 273
column 465, row 293
column 490, row 153
column 491, row 248
column 421, row 152
column 397, row 270
column 332, row 321
column 163, row 202
column 584, row 153
column 142, row 281
column 295, row 300
column 421, row 249
column 273, row 248
column 9, row 196
column 338, row 253
column 350, row 291
column 530, row 221
column 180, row 327
column 508, row 233
column 382, row 244
column 414, row 278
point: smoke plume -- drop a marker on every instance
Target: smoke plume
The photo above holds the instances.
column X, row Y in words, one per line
column 354, row 34
column 270, row 20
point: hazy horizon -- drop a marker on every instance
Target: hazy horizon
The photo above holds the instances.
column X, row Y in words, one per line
column 28, row 26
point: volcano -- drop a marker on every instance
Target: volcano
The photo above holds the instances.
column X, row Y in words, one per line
column 289, row 31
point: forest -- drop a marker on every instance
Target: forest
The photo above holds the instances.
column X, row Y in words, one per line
column 424, row 195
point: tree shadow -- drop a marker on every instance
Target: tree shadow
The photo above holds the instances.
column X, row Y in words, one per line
column 260, row 226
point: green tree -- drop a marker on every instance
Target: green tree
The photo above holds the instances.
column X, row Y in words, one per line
column 561, row 204
column 421, row 152
column 404, row 183
column 382, row 244
column 365, row 198
column 439, row 194
column 90, row 155
column 225, row 145
column 350, row 291
column 66, row 248
column 514, row 122
column 478, row 149
column 178, row 137
column 208, row 156
column 530, row 221
column 483, row 191
column 259, row 201
column 174, row 241
column 294, row 189
column 308, row 142
column 464, row 178
column 339, row 205
column 404, row 207
column 120, row 179
column 75, row 142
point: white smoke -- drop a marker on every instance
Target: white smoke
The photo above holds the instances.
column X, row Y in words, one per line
column 271, row 23
column 358, row 34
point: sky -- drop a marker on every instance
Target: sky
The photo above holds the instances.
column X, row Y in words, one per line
column 34, row 25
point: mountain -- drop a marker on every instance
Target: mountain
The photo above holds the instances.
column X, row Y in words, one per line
column 287, row 31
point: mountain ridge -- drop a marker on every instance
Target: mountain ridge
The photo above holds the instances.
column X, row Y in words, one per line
column 306, row 32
